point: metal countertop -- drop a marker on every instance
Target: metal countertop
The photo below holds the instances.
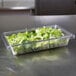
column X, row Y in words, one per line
column 56, row 62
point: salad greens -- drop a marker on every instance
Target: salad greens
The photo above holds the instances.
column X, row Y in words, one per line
column 33, row 39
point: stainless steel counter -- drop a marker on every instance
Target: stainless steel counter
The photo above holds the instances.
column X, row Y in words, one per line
column 17, row 3
column 53, row 62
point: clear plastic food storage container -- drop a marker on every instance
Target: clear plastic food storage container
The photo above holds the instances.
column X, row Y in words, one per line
column 36, row 39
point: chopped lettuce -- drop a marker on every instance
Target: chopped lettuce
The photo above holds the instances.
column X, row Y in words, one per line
column 33, row 39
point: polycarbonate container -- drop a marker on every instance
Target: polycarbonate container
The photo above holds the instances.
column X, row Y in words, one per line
column 40, row 45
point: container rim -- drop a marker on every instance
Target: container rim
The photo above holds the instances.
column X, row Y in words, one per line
column 68, row 34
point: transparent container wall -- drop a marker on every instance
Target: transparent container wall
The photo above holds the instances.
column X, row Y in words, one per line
column 38, row 45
